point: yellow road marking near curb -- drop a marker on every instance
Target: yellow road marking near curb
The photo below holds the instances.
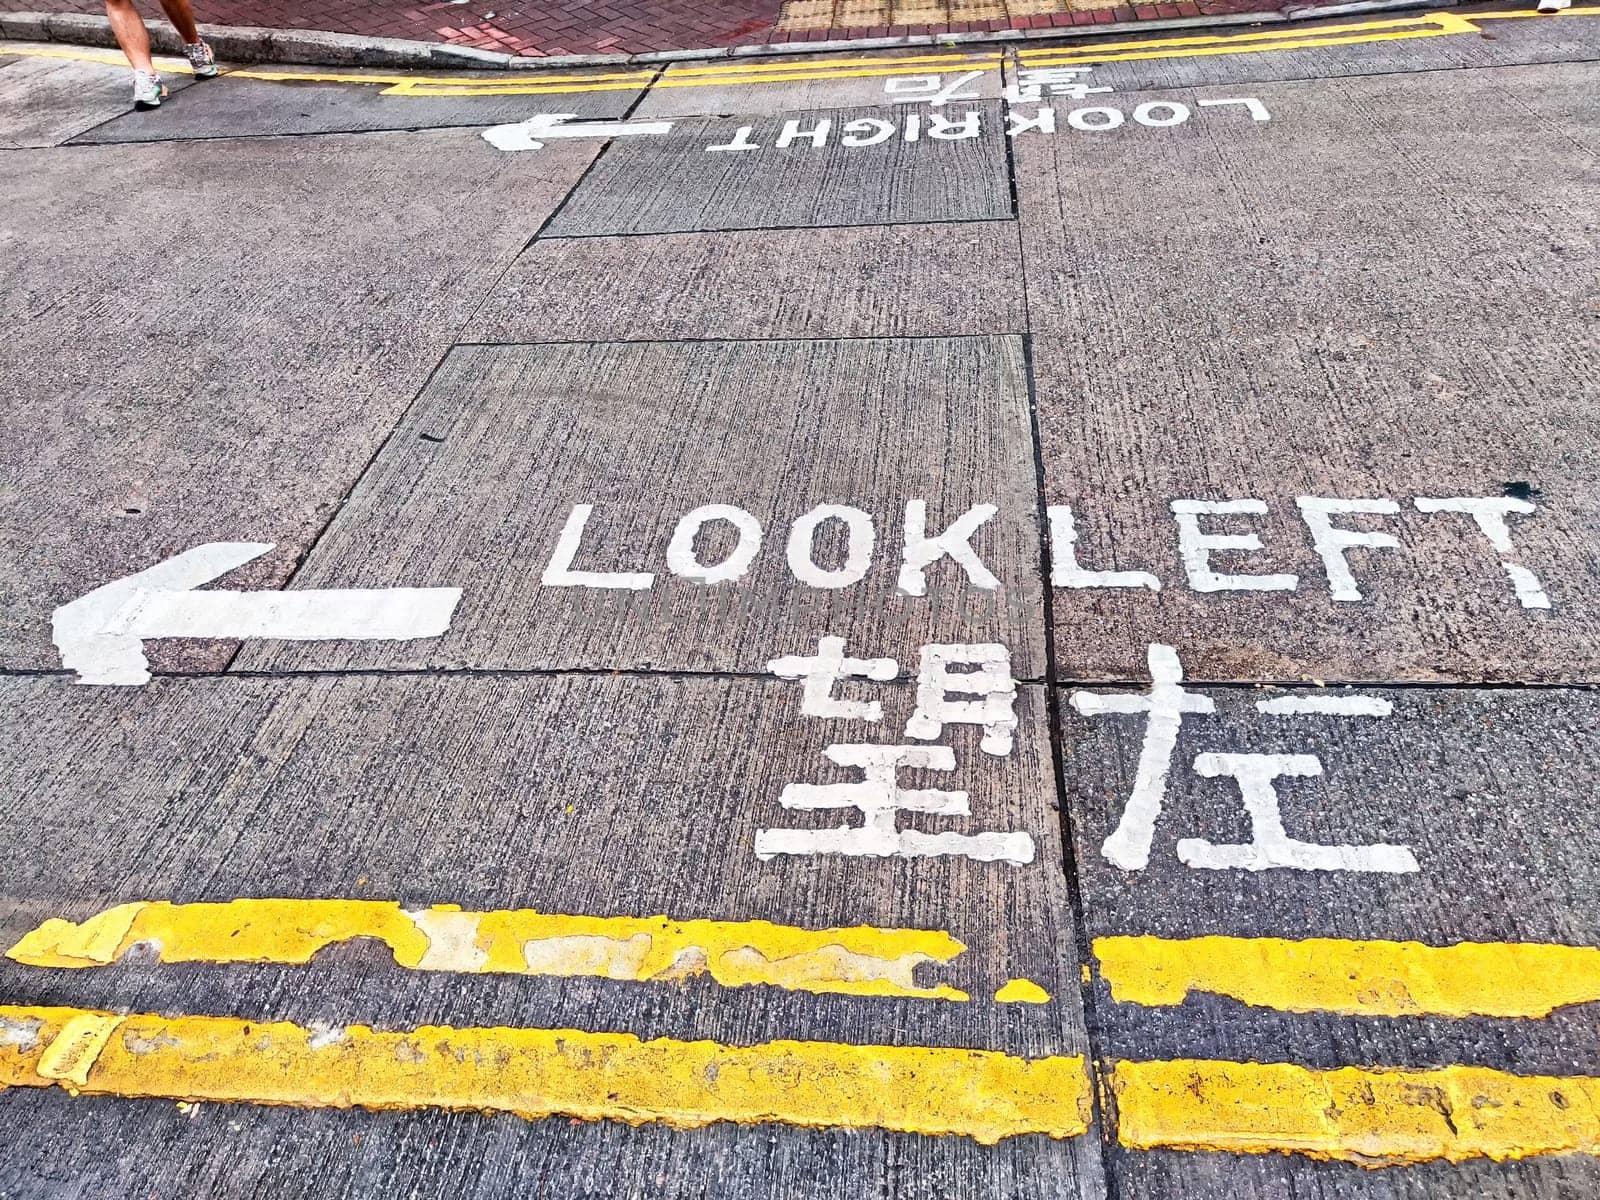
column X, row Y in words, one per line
column 1436, row 24
column 536, row 1073
column 970, row 58
column 724, row 74
column 1366, row 1116
column 1360, row 978
column 1432, row 25
column 669, row 81
column 858, row 961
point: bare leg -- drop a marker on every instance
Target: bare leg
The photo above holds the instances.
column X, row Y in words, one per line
column 128, row 28
column 182, row 18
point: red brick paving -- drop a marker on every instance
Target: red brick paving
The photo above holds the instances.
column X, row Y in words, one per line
column 561, row 27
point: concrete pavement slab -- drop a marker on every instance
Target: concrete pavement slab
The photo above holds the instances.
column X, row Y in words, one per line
column 1374, row 44
column 47, row 101
column 866, row 281
column 1381, row 298
column 866, row 166
column 1486, row 789
column 225, row 376
column 600, row 796
column 482, row 487
column 355, row 100
column 789, row 84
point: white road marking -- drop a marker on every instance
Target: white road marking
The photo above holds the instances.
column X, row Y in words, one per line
column 1128, row 846
column 995, row 708
column 922, row 551
column 1269, row 846
column 1195, row 547
column 534, row 132
column 1326, row 706
column 101, row 636
column 1330, row 542
column 824, row 669
column 1490, row 514
column 1064, row 568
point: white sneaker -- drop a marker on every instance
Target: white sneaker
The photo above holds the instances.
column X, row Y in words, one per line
column 148, row 90
column 203, row 62
column 1551, row 6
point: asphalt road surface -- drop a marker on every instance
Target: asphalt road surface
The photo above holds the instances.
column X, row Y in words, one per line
column 962, row 623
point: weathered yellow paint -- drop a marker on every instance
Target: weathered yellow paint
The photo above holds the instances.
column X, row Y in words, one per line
column 860, row 961
column 771, row 74
column 73, row 1051
column 951, row 60
column 1366, row 978
column 1439, row 24
column 725, row 74
column 542, row 1072
column 1022, row 991
column 1366, row 1116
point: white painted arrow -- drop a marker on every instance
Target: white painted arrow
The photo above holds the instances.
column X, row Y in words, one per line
column 101, row 635
column 527, row 135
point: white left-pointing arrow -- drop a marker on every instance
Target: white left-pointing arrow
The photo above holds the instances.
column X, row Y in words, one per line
column 101, row 635
column 534, row 132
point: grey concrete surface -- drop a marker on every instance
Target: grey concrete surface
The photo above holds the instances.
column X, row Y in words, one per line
column 354, row 1156
column 1500, row 43
column 1158, row 1175
column 230, row 106
column 1488, row 787
column 678, row 92
column 674, row 184
column 208, row 341
column 1386, row 291
column 868, row 281
column 47, row 101
column 631, row 796
column 477, row 483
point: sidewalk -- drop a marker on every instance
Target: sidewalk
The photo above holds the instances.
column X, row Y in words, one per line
column 537, row 28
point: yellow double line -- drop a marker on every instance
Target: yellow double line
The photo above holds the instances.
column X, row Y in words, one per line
column 1435, row 24
column 1362, row 1115
column 1367, row 1115
column 800, row 70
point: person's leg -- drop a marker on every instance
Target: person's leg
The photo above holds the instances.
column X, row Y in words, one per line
column 127, row 26
column 182, row 17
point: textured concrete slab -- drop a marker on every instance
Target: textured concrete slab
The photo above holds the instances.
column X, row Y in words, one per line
column 478, row 483
column 47, row 101
column 888, row 281
column 233, row 106
column 1387, row 291
column 226, row 376
column 786, row 83
column 579, row 795
column 1488, row 788
column 1442, row 44
column 679, row 182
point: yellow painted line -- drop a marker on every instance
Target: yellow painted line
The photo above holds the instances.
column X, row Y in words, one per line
column 393, row 84
column 947, row 61
column 669, row 81
column 725, row 74
column 857, row 961
column 1358, row 978
column 1367, row 1116
column 107, row 58
column 537, row 1073
column 1277, row 33
column 1433, row 25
